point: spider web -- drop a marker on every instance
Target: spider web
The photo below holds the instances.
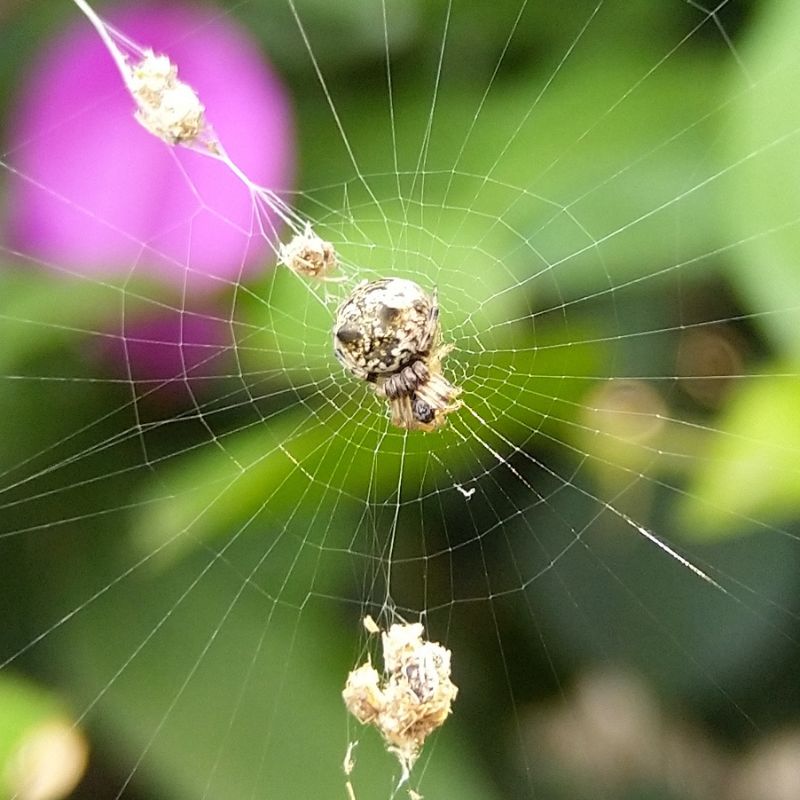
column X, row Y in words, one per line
column 196, row 550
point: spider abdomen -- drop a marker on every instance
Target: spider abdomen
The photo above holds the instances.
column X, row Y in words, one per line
column 384, row 326
column 387, row 333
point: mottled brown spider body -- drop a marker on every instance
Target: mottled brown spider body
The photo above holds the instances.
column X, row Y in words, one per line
column 387, row 333
column 309, row 255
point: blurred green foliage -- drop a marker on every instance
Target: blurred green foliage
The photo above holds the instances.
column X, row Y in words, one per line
column 200, row 580
column 29, row 712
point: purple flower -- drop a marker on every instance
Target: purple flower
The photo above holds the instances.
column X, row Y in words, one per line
column 172, row 356
column 92, row 193
column 101, row 195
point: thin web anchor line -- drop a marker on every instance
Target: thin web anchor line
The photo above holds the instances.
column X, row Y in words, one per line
column 203, row 140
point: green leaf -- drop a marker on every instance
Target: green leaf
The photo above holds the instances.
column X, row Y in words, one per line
column 334, row 448
column 36, row 721
column 580, row 189
column 763, row 190
column 233, row 695
column 32, row 324
column 86, row 313
column 749, row 469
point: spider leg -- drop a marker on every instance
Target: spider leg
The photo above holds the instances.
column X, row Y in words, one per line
column 431, row 326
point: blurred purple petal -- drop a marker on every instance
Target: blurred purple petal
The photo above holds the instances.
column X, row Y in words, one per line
column 99, row 195
column 173, row 355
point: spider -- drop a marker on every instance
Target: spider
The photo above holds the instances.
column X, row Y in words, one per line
column 387, row 333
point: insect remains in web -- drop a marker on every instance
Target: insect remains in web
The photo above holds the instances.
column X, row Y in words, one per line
column 411, row 698
column 309, row 255
column 166, row 106
column 387, row 332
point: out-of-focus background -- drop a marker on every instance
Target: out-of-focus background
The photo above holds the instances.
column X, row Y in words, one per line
column 196, row 504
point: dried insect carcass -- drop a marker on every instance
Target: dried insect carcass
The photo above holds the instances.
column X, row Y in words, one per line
column 411, row 699
column 387, row 333
column 167, row 107
column 309, row 254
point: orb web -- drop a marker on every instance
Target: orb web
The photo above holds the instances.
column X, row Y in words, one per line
column 201, row 505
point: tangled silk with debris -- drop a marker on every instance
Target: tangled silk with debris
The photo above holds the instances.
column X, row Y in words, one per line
column 167, row 107
column 308, row 254
column 412, row 698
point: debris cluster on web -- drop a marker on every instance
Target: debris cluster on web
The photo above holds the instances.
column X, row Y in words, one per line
column 167, row 107
column 411, row 699
column 309, row 254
